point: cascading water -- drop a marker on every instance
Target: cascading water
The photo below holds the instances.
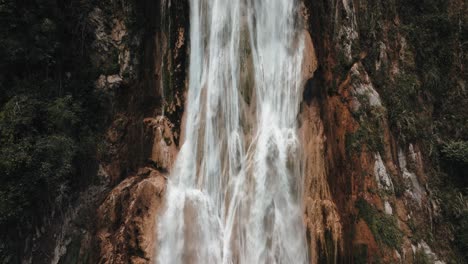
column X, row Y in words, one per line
column 234, row 195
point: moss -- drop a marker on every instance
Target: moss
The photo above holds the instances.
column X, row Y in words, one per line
column 370, row 132
column 353, row 142
column 405, row 111
column 408, row 115
column 398, row 186
column 425, row 99
column 384, row 227
column 418, row 231
column 421, row 258
column 366, row 211
column 360, row 254
column 387, row 230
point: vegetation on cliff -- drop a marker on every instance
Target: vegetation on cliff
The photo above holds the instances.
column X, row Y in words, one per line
column 423, row 89
column 49, row 115
column 438, row 32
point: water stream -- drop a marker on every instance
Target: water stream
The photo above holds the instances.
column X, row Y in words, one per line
column 234, row 194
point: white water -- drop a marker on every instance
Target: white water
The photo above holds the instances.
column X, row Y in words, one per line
column 234, row 193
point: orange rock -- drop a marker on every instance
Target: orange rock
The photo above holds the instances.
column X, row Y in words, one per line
column 127, row 219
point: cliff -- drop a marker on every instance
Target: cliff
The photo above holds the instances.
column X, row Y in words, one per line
column 382, row 125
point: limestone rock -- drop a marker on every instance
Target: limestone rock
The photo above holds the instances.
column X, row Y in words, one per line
column 127, row 219
column 164, row 150
column 309, row 60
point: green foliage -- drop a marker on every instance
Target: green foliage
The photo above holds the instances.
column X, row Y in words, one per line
column 433, row 33
column 421, row 258
column 368, row 135
column 436, row 33
column 454, row 161
column 456, row 151
column 418, row 231
column 360, row 254
column 384, row 227
column 426, row 24
column 402, row 114
column 461, row 239
column 427, row 68
column 37, row 153
column 406, row 113
column 454, row 205
column 50, row 114
column 425, row 100
column 370, row 132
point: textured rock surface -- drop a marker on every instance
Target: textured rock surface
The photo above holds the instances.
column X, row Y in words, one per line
column 352, row 154
column 365, row 159
column 127, row 219
column 321, row 215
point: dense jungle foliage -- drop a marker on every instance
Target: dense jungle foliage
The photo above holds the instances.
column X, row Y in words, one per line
column 50, row 114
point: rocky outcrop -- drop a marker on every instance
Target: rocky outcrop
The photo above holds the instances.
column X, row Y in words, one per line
column 320, row 213
column 143, row 141
column 322, row 218
column 384, row 204
column 127, row 218
column 140, row 48
column 367, row 193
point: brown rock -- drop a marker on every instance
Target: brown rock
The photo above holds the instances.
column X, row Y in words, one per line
column 127, row 218
column 364, row 236
column 401, row 210
column 164, row 150
column 320, row 214
column 309, row 61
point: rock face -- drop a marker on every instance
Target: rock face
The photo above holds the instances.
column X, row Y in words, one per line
column 322, row 218
column 367, row 196
column 127, row 219
column 384, row 205
column 141, row 49
column 164, row 150
column 144, row 137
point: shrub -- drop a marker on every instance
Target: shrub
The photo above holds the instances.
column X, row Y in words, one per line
column 461, row 238
column 50, row 114
column 360, row 254
column 456, row 152
column 421, row 257
column 370, row 131
column 384, row 227
column 404, row 109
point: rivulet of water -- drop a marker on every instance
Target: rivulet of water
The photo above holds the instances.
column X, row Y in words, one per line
column 234, row 194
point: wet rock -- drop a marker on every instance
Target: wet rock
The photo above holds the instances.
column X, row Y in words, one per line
column 164, row 149
column 309, row 60
column 321, row 214
column 127, row 219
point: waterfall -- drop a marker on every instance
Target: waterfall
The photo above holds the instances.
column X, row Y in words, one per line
column 234, row 194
